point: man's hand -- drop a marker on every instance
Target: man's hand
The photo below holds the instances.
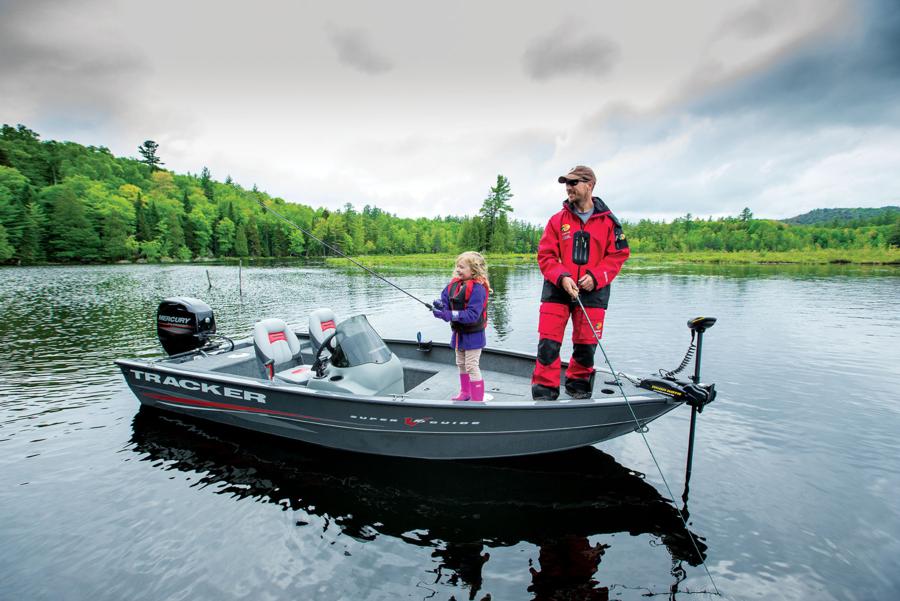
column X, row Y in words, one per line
column 586, row 283
column 568, row 284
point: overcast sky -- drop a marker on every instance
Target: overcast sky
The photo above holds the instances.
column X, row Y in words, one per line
column 705, row 107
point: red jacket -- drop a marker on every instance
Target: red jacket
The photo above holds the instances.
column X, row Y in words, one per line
column 608, row 250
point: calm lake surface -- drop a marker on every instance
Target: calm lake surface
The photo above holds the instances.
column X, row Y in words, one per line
column 795, row 492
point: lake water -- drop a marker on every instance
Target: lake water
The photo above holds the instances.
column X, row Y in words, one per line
column 794, row 492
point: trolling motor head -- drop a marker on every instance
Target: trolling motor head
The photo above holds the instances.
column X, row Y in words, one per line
column 701, row 324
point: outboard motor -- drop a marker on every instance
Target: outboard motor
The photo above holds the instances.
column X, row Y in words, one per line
column 184, row 324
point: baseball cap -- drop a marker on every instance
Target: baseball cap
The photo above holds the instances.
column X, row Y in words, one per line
column 580, row 173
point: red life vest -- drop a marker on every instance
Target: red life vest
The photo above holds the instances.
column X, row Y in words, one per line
column 460, row 291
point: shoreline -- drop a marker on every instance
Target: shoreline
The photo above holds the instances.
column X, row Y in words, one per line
column 886, row 257
column 865, row 256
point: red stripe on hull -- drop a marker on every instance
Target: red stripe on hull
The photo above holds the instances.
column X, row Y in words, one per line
column 172, row 326
column 214, row 405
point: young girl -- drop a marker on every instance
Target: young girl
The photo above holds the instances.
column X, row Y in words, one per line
column 464, row 304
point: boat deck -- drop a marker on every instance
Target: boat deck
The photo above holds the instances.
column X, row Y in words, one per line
column 444, row 383
column 431, row 375
column 507, row 375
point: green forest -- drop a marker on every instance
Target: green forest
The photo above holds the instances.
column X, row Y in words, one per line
column 62, row 202
column 847, row 217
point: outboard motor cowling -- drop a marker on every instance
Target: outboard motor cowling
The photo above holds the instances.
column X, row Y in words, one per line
column 184, row 324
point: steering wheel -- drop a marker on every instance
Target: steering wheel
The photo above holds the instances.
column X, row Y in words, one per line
column 318, row 366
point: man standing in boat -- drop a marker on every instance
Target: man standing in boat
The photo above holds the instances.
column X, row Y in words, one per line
column 581, row 252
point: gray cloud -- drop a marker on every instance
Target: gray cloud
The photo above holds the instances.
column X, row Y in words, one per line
column 62, row 79
column 819, row 126
column 564, row 53
column 354, row 49
column 851, row 78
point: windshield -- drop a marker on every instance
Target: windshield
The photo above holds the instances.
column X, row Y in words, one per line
column 357, row 343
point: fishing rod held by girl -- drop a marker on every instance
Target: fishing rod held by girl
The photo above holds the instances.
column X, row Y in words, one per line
column 338, row 252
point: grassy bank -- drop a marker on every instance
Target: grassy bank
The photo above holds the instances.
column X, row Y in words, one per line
column 438, row 260
column 857, row 256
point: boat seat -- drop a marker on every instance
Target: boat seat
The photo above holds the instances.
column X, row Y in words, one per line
column 274, row 341
column 295, row 375
column 321, row 326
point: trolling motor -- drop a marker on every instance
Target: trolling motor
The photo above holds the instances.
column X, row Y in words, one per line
column 692, row 392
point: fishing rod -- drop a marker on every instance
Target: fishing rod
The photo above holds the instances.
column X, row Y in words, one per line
column 337, row 251
column 641, row 430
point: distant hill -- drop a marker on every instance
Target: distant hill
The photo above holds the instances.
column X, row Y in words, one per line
column 821, row 216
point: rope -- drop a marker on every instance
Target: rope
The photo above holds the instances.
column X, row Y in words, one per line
column 640, row 429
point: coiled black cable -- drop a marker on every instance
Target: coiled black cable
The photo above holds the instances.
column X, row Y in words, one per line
column 684, row 362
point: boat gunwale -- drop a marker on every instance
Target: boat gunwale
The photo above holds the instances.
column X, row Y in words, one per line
column 400, row 400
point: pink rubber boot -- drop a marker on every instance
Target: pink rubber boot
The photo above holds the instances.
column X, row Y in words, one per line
column 464, row 388
column 477, row 388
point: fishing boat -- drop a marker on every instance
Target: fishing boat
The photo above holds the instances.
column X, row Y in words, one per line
column 338, row 384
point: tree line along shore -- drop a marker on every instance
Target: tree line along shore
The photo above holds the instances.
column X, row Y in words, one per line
column 65, row 203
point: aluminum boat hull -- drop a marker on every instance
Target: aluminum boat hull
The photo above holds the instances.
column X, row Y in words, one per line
column 408, row 425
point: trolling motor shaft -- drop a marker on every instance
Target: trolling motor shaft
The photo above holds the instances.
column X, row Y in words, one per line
column 698, row 326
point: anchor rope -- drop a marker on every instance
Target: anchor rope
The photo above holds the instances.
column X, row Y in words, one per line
column 641, row 429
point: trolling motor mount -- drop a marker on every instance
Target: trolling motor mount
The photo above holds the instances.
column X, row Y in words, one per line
column 695, row 395
column 692, row 392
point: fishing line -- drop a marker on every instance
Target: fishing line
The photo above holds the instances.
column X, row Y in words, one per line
column 337, row 251
column 640, row 429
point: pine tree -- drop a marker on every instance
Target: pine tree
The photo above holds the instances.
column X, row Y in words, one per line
column 240, row 242
column 494, row 207
column 186, row 203
column 206, row 184
column 148, row 150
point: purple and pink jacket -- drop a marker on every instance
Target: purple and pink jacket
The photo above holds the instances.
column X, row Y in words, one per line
column 468, row 341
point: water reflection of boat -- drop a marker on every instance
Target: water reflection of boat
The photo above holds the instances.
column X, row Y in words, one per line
column 457, row 508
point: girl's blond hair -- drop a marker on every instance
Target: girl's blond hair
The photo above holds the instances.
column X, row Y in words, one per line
column 478, row 266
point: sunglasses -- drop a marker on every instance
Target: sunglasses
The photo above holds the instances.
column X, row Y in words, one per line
column 573, row 182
